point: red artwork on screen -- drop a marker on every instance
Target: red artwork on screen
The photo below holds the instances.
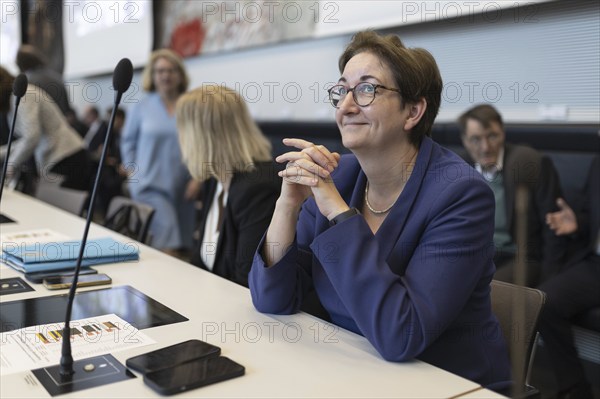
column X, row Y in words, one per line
column 187, row 38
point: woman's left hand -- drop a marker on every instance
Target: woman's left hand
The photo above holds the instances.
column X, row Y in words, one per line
column 314, row 163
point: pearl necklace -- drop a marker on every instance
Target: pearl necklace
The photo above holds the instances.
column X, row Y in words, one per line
column 376, row 212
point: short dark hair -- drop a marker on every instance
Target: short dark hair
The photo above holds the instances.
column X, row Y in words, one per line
column 29, row 57
column 94, row 111
column 414, row 70
column 482, row 113
column 118, row 113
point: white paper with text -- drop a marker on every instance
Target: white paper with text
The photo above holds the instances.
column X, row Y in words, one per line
column 40, row 346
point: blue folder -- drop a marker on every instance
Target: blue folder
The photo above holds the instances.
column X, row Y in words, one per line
column 51, row 256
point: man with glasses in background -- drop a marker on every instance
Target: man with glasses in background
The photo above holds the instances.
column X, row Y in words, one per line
column 506, row 167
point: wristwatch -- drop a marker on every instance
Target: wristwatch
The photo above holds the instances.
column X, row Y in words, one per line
column 343, row 216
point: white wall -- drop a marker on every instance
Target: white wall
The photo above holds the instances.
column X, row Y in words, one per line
column 285, row 81
column 10, row 34
column 539, row 63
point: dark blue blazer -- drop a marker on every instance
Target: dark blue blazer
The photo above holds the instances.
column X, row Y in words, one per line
column 419, row 287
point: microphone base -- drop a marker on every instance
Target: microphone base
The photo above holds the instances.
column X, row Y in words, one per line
column 88, row 373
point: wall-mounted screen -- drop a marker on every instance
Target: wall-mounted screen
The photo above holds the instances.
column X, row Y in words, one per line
column 97, row 34
column 10, row 34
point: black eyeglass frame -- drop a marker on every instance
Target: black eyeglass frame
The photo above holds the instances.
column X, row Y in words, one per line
column 351, row 89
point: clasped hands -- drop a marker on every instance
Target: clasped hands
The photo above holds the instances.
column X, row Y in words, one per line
column 308, row 172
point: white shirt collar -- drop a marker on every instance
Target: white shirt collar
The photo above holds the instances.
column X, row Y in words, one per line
column 208, row 247
column 490, row 173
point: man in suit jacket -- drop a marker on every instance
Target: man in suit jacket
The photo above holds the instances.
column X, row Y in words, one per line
column 94, row 138
column 574, row 290
column 507, row 167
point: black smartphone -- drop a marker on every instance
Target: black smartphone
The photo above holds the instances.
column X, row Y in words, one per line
column 194, row 374
column 172, row 356
column 56, row 283
column 38, row 277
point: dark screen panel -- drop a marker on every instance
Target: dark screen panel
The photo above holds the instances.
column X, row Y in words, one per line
column 129, row 304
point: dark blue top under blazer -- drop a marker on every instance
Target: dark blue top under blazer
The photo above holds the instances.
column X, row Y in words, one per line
column 419, row 287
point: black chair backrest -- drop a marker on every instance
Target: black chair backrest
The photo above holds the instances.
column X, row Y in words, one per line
column 130, row 218
column 518, row 309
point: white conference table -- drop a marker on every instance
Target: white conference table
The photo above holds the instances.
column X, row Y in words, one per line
column 284, row 356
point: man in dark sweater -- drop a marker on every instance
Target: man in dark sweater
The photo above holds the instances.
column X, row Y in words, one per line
column 506, row 167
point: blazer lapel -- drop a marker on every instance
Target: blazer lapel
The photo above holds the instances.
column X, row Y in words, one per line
column 388, row 235
column 224, row 223
column 390, row 231
column 208, row 191
column 209, row 187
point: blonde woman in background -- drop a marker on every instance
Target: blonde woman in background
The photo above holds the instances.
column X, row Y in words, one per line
column 223, row 148
column 150, row 152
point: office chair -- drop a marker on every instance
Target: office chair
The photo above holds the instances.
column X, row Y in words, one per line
column 130, row 218
column 518, row 309
column 70, row 200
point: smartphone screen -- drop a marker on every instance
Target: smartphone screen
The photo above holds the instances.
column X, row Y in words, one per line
column 38, row 277
column 58, row 282
column 194, row 374
column 172, row 356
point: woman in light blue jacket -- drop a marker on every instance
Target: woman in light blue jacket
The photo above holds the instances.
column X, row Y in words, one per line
column 151, row 154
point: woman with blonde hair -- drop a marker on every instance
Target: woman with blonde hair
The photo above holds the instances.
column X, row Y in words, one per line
column 150, row 152
column 223, row 147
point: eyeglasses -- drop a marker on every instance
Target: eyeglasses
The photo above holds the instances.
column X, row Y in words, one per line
column 363, row 93
column 491, row 138
column 160, row 71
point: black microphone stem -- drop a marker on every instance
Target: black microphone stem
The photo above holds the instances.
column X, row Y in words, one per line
column 66, row 360
column 8, row 145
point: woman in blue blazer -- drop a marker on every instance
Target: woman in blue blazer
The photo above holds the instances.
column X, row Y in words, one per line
column 396, row 238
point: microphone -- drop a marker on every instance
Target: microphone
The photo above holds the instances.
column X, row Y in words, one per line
column 518, row 350
column 19, row 89
column 121, row 81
